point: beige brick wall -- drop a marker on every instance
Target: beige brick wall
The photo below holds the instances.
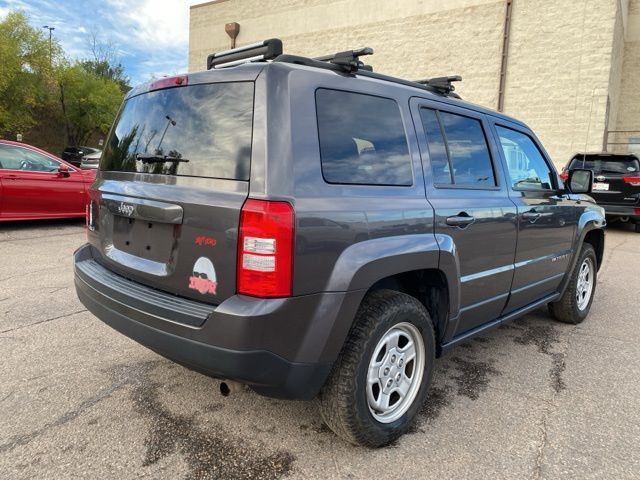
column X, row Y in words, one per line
column 564, row 55
column 411, row 38
column 628, row 113
column 559, row 71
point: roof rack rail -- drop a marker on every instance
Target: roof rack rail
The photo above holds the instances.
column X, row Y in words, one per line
column 348, row 60
column 443, row 85
column 260, row 51
column 345, row 62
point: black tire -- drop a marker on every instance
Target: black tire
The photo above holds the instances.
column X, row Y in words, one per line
column 637, row 227
column 566, row 309
column 343, row 399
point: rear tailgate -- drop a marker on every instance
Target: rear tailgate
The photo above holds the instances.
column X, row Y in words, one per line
column 173, row 179
column 616, row 189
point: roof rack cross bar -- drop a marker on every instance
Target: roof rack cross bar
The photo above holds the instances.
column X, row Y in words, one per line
column 265, row 50
column 349, row 59
column 442, row 84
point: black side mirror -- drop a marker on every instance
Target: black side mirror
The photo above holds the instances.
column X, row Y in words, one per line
column 579, row 181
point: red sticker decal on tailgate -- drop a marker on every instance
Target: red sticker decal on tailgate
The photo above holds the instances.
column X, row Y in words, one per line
column 208, row 241
column 203, row 278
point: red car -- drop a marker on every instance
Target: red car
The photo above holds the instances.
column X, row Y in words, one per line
column 36, row 185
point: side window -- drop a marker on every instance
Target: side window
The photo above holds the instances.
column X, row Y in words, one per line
column 362, row 139
column 18, row 158
column 5, row 157
column 11, row 157
column 468, row 151
column 458, row 150
column 34, row 162
column 527, row 167
column 437, row 149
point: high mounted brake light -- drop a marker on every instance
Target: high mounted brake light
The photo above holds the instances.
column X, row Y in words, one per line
column 265, row 249
column 168, row 82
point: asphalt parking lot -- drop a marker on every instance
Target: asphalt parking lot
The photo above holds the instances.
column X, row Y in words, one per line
column 531, row 399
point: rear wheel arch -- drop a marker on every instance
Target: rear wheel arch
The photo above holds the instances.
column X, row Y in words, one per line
column 406, row 264
column 429, row 286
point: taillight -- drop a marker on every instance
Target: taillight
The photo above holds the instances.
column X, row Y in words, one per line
column 91, row 215
column 635, row 181
column 564, row 175
column 265, row 249
column 86, row 219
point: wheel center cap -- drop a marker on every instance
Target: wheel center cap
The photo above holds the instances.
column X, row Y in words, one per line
column 390, row 372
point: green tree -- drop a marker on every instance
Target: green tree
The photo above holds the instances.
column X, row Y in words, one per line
column 104, row 69
column 89, row 103
column 26, row 81
column 103, row 62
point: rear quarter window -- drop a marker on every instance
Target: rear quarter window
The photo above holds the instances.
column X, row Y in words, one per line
column 362, row 139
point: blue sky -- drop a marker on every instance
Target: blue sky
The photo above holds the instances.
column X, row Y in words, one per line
column 151, row 36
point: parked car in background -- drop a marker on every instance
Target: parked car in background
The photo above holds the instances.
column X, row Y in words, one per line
column 36, row 185
column 74, row 155
column 616, row 185
column 91, row 160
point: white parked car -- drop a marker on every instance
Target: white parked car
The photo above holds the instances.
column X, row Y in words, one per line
column 91, row 160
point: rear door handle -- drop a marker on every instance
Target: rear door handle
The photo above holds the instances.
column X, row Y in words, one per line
column 460, row 220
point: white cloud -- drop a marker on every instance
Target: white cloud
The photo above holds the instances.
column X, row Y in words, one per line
column 150, row 36
column 153, row 24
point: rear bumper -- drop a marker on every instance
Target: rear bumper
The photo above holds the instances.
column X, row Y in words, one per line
column 630, row 211
column 280, row 347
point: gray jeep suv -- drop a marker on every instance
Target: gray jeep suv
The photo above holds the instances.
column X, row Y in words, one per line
column 313, row 229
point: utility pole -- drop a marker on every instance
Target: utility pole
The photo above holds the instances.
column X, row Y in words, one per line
column 51, row 29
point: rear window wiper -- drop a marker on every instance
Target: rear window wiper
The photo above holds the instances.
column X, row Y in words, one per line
column 151, row 158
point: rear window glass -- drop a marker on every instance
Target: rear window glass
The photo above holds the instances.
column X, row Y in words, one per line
column 622, row 165
column 205, row 130
column 362, row 139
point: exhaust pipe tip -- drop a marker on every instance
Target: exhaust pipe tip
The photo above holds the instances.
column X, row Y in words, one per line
column 228, row 387
column 224, row 389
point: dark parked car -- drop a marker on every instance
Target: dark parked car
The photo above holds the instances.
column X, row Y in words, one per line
column 313, row 229
column 617, row 183
column 74, row 155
